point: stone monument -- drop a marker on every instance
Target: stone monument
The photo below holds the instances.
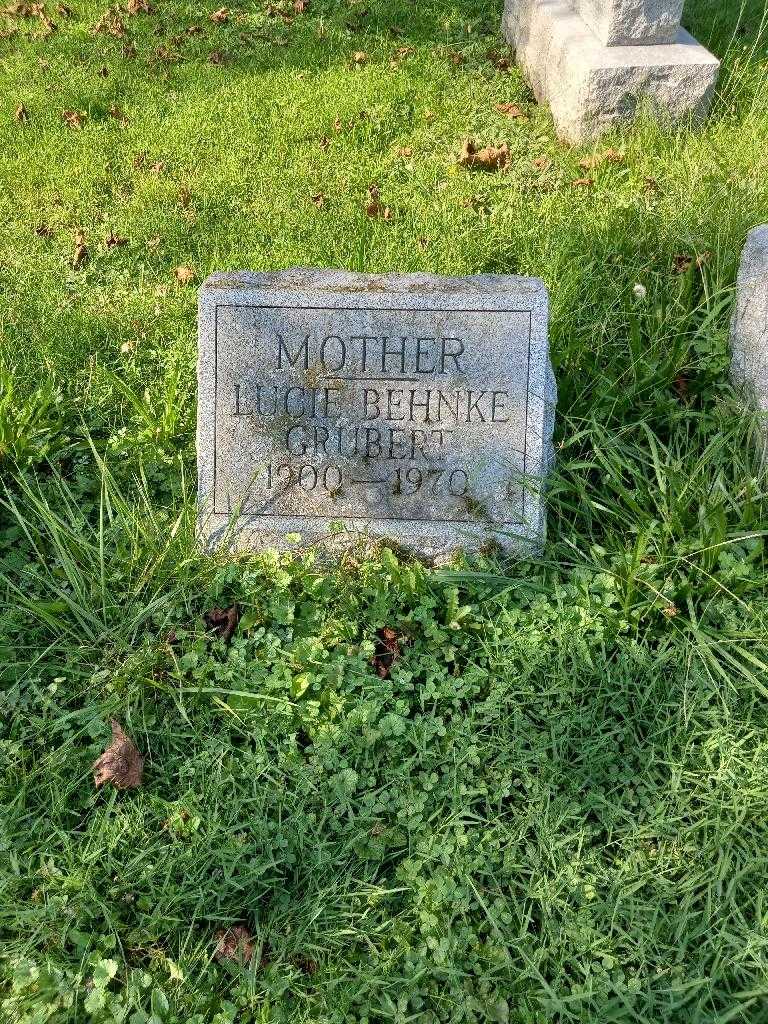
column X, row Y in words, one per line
column 749, row 328
column 342, row 406
column 596, row 62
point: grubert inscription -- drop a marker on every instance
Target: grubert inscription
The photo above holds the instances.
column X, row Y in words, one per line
column 339, row 405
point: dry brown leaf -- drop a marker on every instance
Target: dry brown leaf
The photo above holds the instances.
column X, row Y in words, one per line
column 220, row 16
column 111, row 24
column 21, row 114
column 681, row 388
column 121, row 763
column 81, row 254
column 112, row 240
column 223, row 621
column 404, row 151
column 489, row 158
column 184, row 274
column 455, row 57
column 387, row 651
column 301, row 6
column 681, row 263
column 117, row 113
column 499, row 60
column 324, row 143
column 74, row 118
column 138, row 7
column 235, row 943
column 154, row 242
column 64, row 11
column 542, row 163
column 583, row 182
column 589, row 163
column 318, row 200
column 185, row 197
column 157, row 167
column 359, row 57
column 670, row 611
column 510, row 110
column 103, row 71
column 373, row 206
column 217, row 57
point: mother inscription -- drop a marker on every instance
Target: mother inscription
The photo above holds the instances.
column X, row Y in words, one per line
column 411, row 407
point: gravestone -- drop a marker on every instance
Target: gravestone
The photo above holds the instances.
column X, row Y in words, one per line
column 632, row 22
column 342, row 406
column 599, row 62
column 749, row 328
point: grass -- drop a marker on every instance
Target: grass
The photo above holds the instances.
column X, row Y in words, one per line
column 554, row 809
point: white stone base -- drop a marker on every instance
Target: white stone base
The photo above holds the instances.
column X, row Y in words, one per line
column 591, row 87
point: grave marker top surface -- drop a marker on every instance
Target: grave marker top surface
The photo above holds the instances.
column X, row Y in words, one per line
column 412, row 407
column 632, row 22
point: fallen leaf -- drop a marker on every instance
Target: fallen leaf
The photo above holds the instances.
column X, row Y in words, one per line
column 43, row 231
column 223, row 621
column 325, row 143
column 650, row 185
column 387, row 651
column 670, row 611
column 185, row 197
column 489, row 158
column 111, row 24
column 510, row 110
column 220, row 16
column 681, row 263
column 589, row 163
column 499, row 60
column 542, row 163
column 138, row 7
column 404, row 151
column 121, row 763
column 235, row 943
column 81, row 254
column 681, row 387
column 117, row 113
column 103, row 71
column 455, row 57
column 318, row 199
column 154, row 242
column 112, row 240
column 583, row 182
column 301, row 6
column 157, row 167
column 129, row 51
column 337, row 125
column 74, row 118
column 21, row 114
column 359, row 57
column 373, row 207
column 184, row 275
column 64, row 11
column 217, row 57
column 423, row 242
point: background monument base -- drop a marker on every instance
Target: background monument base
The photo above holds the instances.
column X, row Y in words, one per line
column 590, row 86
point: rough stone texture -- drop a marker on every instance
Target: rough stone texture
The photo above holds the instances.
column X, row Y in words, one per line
column 589, row 86
column 749, row 328
column 428, row 421
column 632, row 22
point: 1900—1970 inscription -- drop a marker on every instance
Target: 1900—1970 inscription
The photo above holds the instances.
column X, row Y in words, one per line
column 411, row 407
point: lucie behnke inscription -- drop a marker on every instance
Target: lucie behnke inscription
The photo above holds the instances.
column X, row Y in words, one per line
column 337, row 405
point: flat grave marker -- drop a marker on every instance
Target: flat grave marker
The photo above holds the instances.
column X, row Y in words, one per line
column 340, row 406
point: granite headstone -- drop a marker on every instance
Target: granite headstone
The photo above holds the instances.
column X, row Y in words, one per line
column 338, row 406
column 749, row 328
